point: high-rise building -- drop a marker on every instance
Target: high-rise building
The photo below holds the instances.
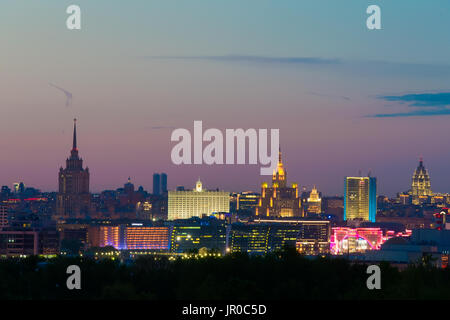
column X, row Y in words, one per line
column 196, row 203
column 421, row 184
column 360, row 199
column 163, row 183
column 279, row 200
column 128, row 187
column 73, row 199
column 5, row 192
column 314, row 202
column 156, row 184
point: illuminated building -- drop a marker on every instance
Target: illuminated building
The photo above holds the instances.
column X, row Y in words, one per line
column 440, row 220
column 279, row 200
column 146, row 238
column 314, row 202
column 25, row 242
column 404, row 198
column 144, row 210
column 73, row 199
column 314, row 237
column 103, row 236
column 439, row 199
column 19, row 242
column 196, row 203
column 18, row 187
column 194, row 234
column 307, row 236
column 130, row 237
column 360, row 199
column 252, row 238
column 421, row 184
column 247, row 201
column 353, row 240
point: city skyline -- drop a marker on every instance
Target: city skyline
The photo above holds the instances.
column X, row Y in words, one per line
column 74, row 156
column 344, row 98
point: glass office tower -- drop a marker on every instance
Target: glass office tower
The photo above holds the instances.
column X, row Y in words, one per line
column 360, row 200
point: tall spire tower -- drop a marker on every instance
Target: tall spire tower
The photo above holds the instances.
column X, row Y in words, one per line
column 74, row 144
column 421, row 183
column 73, row 200
column 279, row 174
column 279, row 200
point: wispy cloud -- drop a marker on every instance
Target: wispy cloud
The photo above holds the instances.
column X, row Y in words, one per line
column 358, row 67
column 331, row 96
column 254, row 59
column 441, row 99
column 423, row 104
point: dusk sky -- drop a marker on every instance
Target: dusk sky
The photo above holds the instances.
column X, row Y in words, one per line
column 344, row 98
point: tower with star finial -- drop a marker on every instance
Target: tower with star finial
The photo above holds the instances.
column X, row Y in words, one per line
column 73, row 199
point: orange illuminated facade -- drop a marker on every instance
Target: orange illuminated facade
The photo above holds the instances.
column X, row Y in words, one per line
column 147, row 238
column 279, row 200
column 136, row 237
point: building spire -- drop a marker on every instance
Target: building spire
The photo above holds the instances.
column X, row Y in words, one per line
column 74, row 148
column 279, row 155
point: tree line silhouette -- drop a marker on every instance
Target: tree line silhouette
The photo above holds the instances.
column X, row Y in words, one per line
column 284, row 276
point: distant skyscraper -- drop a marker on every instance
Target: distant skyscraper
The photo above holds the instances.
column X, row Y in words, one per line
column 314, row 202
column 163, row 183
column 156, row 184
column 360, row 200
column 279, row 200
column 128, row 187
column 421, row 184
column 73, row 199
column 16, row 187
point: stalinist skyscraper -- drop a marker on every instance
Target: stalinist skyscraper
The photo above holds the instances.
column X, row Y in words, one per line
column 279, row 200
column 421, row 183
column 74, row 199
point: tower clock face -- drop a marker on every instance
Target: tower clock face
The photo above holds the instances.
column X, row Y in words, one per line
column 185, row 133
